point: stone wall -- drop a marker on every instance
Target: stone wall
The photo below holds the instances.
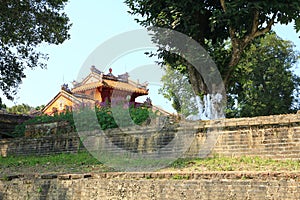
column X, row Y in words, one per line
column 53, row 144
column 153, row 186
column 8, row 123
column 46, row 129
column 276, row 137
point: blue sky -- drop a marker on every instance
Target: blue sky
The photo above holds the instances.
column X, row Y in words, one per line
column 94, row 22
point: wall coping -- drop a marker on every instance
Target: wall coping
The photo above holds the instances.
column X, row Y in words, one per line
column 243, row 175
column 249, row 121
column 44, row 137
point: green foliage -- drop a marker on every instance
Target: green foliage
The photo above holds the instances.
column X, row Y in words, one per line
column 2, row 105
column 108, row 118
column 224, row 28
column 181, row 163
column 241, row 163
column 66, row 116
column 24, row 26
column 19, row 130
column 19, row 109
column 84, row 118
column 82, row 157
column 39, row 108
column 22, row 109
column 264, row 83
column 79, row 162
column 176, row 88
column 118, row 116
column 141, row 114
column 181, row 177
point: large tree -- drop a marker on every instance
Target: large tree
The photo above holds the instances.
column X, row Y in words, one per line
column 214, row 23
column 264, row 81
column 24, row 25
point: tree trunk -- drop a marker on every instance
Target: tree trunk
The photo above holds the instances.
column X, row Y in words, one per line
column 197, row 81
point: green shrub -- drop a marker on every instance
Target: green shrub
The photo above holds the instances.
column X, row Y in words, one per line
column 107, row 118
column 66, row 116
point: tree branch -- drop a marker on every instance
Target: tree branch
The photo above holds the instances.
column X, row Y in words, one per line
column 255, row 22
column 238, row 45
column 223, row 5
column 267, row 28
column 231, row 29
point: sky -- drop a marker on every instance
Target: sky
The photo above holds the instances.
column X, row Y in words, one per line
column 94, row 22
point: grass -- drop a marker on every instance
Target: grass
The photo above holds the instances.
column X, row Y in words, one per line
column 132, row 162
column 80, row 158
column 244, row 163
column 84, row 162
column 60, row 163
column 180, row 177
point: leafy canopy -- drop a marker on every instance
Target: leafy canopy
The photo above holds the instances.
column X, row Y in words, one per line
column 24, row 25
column 213, row 23
column 264, row 81
column 20, row 109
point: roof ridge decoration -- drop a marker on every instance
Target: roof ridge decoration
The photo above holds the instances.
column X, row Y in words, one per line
column 95, row 70
column 110, row 75
column 138, row 84
column 65, row 87
column 97, row 78
column 123, row 77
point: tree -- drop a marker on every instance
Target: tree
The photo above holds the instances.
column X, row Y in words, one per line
column 264, row 81
column 176, row 88
column 24, row 26
column 39, row 108
column 20, row 109
column 2, row 106
column 214, row 23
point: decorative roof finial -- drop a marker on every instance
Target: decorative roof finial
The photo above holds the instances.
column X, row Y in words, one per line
column 110, row 70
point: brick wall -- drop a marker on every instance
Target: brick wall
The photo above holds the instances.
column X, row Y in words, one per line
column 275, row 137
column 52, row 144
column 8, row 123
column 153, row 186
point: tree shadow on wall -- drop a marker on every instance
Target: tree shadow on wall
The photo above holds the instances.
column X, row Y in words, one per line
column 45, row 191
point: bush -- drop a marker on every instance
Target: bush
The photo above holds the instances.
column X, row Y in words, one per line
column 66, row 116
column 107, row 118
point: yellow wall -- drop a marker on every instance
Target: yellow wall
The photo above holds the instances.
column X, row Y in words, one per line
column 60, row 104
column 93, row 93
column 97, row 96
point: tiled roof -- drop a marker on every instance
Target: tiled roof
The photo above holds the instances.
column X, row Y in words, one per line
column 111, row 84
column 124, row 86
column 87, row 86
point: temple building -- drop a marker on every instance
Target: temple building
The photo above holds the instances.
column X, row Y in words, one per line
column 97, row 87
